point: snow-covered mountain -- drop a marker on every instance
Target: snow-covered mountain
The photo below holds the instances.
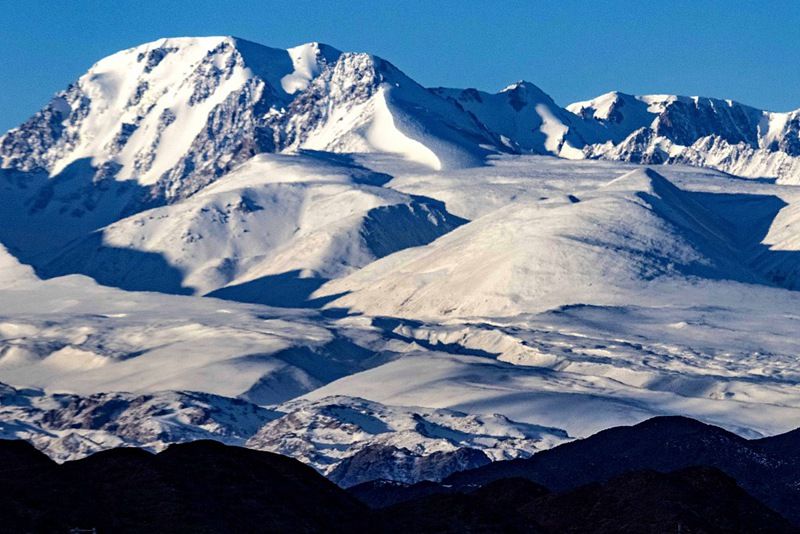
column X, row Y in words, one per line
column 114, row 171
column 313, row 254
column 335, row 435
column 526, row 118
column 546, row 253
column 274, row 221
column 176, row 114
column 68, row 426
column 705, row 132
column 354, row 440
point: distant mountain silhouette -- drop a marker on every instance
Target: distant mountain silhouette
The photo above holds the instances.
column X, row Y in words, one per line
column 663, row 475
column 692, row 500
column 769, row 468
column 202, row 486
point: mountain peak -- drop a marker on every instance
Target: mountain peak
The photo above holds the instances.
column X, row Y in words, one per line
column 161, row 112
column 177, row 113
column 528, row 89
column 516, row 85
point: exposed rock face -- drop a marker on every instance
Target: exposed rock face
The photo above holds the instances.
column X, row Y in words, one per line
column 704, row 132
column 46, row 136
column 354, row 440
column 390, row 463
column 176, row 114
column 71, row 426
column 349, row 439
column 235, row 131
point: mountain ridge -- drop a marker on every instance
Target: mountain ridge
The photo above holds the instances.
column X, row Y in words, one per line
column 249, row 87
column 308, row 251
column 212, row 486
column 766, row 467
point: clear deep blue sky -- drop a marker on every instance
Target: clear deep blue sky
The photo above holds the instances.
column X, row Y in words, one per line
column 747, row 51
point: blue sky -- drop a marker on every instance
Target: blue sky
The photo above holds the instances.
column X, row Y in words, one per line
column 573, row 50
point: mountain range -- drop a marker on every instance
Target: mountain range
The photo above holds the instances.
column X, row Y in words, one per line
column 585, row 486
column 306, row 252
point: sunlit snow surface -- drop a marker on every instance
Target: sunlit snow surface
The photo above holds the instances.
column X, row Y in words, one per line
column 574, row 349
column 306, row 251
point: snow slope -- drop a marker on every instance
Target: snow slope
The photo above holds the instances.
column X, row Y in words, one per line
column 365, row 104
column 274, row 219
column 176, row 114
column 527, row 118
column 720, row 351
column 537, row 255
column 385, row 281
column 71, row 335
column 12, row 272
column 687, row 341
